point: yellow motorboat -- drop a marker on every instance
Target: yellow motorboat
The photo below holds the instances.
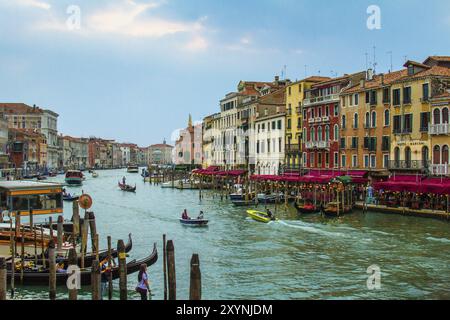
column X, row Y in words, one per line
column 260, row 216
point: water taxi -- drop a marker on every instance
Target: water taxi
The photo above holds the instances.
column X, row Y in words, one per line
column 133, row 169
column 74, row 177
column 22, row 196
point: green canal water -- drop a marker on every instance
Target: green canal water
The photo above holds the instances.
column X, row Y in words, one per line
column 295, row 258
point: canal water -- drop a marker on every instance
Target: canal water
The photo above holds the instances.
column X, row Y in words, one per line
column 294, row 258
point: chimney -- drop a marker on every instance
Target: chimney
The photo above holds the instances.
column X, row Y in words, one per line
column 382, row 78
column 277, row 79
column 369, row 74
column 362, row 83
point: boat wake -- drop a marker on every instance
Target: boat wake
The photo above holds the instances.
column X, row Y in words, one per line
column 443, row 240
column 311, row 229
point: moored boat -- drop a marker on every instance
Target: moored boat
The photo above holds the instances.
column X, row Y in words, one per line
column 306, row 208
column 70, row 198
column 335, row 209
column 260, row 216
column 41, row 277
column 74, row 177
column 270, row 198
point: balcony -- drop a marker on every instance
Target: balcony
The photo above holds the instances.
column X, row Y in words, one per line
column 292, row 148
column 407, row 164
column 439, row 169
column 317, row 145
column 326, row 119
column 438, row 129
column 311, row 120
column 319, row 100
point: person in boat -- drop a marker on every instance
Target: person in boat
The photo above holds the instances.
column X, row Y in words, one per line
column 143, row 285
column 200, row 216
column 60, row 267
column 184, row 215
column 124, row 180
column 270, row 214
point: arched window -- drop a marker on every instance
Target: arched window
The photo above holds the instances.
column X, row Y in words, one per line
column 305, row 136
column 436, row 116
column 336, row 132
column 374, row 119
column 367, row 122
column 386, row 118
column 408, row 157
column 445, row 154
column 437, row 155
column 355, row 121
column 445, row 115
column 327, row 133
column 397, row 154
column 319, row 134
column 425, row 156
column 312, row 135
column 343, row 122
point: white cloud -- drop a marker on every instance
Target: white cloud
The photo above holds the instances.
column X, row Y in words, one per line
column 197, row 43
column 27, row 3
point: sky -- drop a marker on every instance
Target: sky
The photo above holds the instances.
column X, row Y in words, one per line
column 133, row 70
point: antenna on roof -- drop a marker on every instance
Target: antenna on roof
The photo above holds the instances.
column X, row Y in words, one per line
column 390, row 54
column 405, row 57
column 367, row 60
column 374, row 59
column 305, row 71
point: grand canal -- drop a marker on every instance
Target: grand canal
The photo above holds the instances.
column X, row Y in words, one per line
column 294, row 258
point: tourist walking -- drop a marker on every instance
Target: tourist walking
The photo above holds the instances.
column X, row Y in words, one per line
column 143, row 285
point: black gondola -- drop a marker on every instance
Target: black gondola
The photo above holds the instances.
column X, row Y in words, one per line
column 127, row 188
column 41, row 278
column 90, row 257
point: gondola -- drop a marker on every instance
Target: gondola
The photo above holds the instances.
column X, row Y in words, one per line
column 194, row 222
column 70, row 198
column 331, row 209
column 41, row 278
column 89, row 257
column 127, row 188
column 306, row 208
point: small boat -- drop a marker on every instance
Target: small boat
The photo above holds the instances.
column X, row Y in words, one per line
column 41, row 277
column 194, row 222
column 243, row 202
column 70, row 198
column 270, row 198
column 74, row 177
column 127, row 188
column 306, row 208
column 260, row 216
column 133, row 169
column 335, row 209
column 94, row 174
column 41, row 178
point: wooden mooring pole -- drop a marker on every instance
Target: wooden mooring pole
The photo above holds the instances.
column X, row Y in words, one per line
column 122, row 270
column 164, row 266
column 195, row 289
column 75, row 220
column 52, row 270
column 110, row 283
column 171, row 276
column 95, row 280
column 13, row 255
column 60, row 231
column 93, row 227
column 3, row 278
column 73, row 261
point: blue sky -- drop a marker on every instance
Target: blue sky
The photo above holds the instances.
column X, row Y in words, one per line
column 135, row 69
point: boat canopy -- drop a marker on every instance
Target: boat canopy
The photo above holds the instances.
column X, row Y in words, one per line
column 23, row 196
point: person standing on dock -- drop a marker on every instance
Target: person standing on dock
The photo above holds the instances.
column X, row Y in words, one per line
column 104, row 270
column 143, row 286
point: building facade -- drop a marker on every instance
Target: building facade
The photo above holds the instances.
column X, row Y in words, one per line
column 160, row 154
column 295, row 93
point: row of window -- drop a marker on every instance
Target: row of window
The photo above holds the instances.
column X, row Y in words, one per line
column 321, row 111
column 319, row 134
column 371, row 96
column 271, row 146
column 271, row 125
